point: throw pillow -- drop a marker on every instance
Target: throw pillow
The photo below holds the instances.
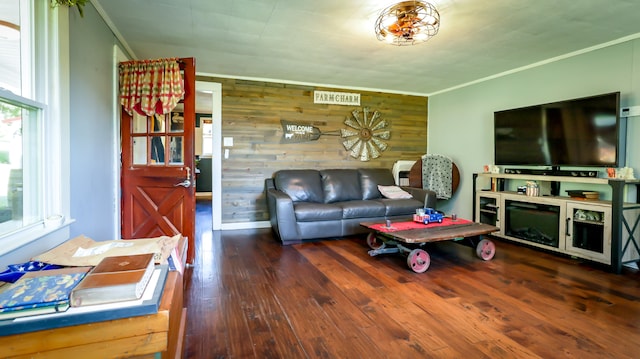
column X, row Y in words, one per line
column 393, row 192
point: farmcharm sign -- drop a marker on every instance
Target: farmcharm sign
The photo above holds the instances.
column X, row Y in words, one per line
column 336, row 98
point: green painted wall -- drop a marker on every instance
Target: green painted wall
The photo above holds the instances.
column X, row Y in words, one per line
column 461, row 120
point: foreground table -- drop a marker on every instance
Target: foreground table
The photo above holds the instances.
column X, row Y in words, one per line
column 149, row 336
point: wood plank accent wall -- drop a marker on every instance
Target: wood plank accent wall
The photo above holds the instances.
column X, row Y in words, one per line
column 251, row 114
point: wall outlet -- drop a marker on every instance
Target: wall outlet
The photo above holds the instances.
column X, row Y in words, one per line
column 630, row 111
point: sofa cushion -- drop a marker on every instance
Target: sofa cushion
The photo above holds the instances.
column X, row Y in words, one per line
column 340, row 185
column 300, row 185
column 361, row 209
column 370, row 178
column 400, row 207
column 393, row 192
column 309, row 211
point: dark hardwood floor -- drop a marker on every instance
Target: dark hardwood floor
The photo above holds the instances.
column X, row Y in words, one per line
column 250, row 297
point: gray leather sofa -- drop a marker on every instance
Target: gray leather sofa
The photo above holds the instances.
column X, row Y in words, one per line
column 312, row 204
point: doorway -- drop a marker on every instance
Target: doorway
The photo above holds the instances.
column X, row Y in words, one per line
column 209, row 102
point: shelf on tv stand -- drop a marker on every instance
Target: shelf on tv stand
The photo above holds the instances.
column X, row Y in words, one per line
column 549, row 178
column 515, row 196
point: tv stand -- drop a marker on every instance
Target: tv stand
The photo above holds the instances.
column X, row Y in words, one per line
column 604, row 231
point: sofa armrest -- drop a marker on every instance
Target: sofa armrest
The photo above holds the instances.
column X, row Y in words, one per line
column 281, row 213
column 426, row 196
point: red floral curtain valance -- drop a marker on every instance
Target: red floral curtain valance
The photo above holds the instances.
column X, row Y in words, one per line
column 150, row 86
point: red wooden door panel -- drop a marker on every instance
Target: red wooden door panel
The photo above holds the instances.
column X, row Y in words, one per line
column 157, row 184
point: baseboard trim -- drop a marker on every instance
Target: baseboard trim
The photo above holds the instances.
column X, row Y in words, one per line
column 245, row 225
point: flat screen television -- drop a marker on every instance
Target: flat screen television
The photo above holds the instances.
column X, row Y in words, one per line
column 584, row 132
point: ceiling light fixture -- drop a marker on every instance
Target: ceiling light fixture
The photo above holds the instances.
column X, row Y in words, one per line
column 408, row 23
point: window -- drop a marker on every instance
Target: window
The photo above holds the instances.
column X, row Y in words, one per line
column 150, row 136
column 21, row 201
column 28, row 44
column 15, row 52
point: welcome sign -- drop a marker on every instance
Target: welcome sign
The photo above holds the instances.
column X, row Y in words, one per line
column 298, row 132
column 295, row 132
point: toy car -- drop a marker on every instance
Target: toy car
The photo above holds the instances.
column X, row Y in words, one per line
column 428, row 215
column 431, row 215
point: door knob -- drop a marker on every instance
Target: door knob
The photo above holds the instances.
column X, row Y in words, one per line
column 186, row 184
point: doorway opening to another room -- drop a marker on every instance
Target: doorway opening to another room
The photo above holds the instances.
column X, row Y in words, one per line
column 208, row 151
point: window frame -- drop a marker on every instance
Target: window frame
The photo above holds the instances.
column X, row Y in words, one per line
column 49, row 91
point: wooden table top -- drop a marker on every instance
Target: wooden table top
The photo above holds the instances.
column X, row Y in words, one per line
column 435, row 234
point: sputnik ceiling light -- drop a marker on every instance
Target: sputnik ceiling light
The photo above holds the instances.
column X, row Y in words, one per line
column 408, row 23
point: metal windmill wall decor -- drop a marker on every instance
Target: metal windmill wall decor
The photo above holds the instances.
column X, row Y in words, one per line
column 366, row 134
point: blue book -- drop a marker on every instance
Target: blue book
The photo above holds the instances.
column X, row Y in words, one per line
column 40, row 292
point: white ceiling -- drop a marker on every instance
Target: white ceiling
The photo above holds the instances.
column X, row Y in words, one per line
column 331, row 42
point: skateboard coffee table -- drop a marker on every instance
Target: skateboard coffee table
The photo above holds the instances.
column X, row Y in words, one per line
column 404, row 237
